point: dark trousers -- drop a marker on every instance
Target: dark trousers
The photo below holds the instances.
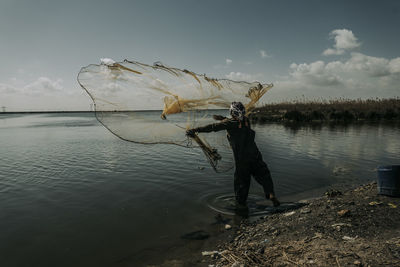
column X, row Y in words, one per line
column 259, row 170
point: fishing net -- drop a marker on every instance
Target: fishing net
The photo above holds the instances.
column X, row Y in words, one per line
column 156, row 104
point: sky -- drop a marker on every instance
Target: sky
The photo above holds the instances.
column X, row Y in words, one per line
column 309, row 49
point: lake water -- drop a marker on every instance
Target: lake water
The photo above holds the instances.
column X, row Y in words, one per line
column 72, row 194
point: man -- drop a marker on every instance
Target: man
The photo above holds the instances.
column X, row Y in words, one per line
column 248, row 159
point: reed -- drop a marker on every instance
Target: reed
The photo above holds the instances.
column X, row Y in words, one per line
column 340, row 109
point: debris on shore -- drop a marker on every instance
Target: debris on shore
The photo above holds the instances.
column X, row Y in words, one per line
column 353, row 228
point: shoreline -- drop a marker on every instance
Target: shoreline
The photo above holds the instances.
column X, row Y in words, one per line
column 43, row 112
column 356, row 227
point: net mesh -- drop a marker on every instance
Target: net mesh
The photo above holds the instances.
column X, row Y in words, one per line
column 156, row 104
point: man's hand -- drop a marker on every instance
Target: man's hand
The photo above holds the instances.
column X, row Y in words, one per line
column 218, row 117
column 190, row 133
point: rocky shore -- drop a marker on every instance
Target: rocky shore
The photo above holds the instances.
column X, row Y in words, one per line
column 357, row 227
column 354, row 228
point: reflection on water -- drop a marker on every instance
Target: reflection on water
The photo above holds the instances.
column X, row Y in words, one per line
column 326, row 154
column 72, row 194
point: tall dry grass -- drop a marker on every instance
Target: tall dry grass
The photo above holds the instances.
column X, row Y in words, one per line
column 332, row 109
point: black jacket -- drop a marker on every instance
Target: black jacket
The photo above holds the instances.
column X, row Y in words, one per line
column 240, row 137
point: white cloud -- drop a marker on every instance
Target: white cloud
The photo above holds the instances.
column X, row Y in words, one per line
column 264, row 54
column 7, row 89
column 43, row 85
column 356, row 76
column 42, row 93
column 317, row 73
column 394, row 65
column 331, row 52
column 344, row 40
column 359, row 76
column 370, row 66
column 240, row 76
column 228, row 61
column 358, row 65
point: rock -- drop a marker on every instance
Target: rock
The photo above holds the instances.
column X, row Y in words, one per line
column 317, row 235
column 287, row 214
column 276, row 233
column 341, row 224
column 333, row 193
column 357, row 263
column 305, row 210
column 348, row 238
column 227, row 227
column 209, row 253
column 343, row 213
column 375, row 203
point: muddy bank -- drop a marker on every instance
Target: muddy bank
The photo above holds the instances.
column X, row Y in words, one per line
column 357, row 227
column 354, row 228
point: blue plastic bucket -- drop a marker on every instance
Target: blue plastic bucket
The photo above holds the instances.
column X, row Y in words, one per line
column 389, row 180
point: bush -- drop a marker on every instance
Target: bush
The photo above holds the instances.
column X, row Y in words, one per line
column 389, row 114
column 294, row 115
column 334, row 109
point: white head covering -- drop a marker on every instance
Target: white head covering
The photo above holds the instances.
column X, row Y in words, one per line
column 237, row 110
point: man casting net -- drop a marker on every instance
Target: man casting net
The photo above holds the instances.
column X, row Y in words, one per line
column 156, row 104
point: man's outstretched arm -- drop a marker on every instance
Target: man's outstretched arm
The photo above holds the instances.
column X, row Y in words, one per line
column 219, row 117
column 213, row 127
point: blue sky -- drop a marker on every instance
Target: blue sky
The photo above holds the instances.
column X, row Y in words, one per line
column 317, row 49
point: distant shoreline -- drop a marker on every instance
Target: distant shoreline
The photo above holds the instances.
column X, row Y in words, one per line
column 71, row 111
column 341, row 110
column 41, row 112
column 77, row 111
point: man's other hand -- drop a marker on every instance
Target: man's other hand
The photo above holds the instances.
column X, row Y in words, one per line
column 190, row 133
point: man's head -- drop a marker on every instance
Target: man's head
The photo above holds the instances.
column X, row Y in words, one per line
column 238, row 111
